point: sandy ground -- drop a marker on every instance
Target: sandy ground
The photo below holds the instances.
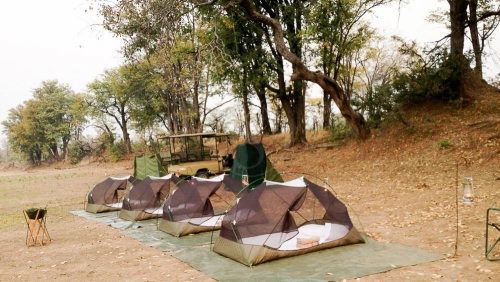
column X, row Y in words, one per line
column 401, row 187
column 81, row 250
column 415, row 207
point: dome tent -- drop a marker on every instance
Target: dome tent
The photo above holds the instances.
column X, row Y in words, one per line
column 278, row 220
column 149, row 165
column 251, row 159
column 107, row 195
column 145, row 199
column 197, row 205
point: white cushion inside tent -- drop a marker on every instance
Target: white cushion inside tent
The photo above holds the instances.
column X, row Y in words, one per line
column 326, row 233
column 270, row 240
column 313, row 230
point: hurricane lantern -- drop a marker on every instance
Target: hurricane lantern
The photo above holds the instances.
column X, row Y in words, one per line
column 468, row 187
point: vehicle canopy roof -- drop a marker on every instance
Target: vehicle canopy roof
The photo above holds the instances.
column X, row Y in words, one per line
column 207, row 134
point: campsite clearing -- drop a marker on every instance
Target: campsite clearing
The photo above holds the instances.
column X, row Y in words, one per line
column 400, row 186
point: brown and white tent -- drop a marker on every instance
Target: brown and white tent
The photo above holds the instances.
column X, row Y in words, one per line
column 198, row 205
column 107, row 195
column 145, row 200
column 278, row 220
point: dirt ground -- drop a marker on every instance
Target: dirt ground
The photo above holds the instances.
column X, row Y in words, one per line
column 403, row 185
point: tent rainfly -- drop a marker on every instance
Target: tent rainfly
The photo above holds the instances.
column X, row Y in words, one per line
column 251, row 159
column 196, row 206
column 108, row 194
column 145, row 199
column 151, row 165
column 278, row 220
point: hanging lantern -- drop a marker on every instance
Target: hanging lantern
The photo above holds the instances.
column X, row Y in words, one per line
column 244, row 179
column 468, row 197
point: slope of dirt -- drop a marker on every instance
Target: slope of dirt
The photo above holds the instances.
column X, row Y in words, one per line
column 403, row 185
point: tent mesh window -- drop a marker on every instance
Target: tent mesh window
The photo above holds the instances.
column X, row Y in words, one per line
column 145, row 199
column 108, row 194
column 197, row 205
column 294, row 217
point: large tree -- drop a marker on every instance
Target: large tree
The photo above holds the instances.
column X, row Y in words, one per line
column 244, row 63
column 20, row 134
column 251, row 45
column 151, row 25
column 45, row 123
column 112, row 96
column 171, row 37
column 302, row 72
column 468, row 13
column 338, row 29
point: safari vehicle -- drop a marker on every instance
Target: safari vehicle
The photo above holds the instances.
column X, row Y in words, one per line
column 195, row 154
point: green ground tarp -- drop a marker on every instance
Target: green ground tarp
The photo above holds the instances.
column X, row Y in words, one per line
column 327, row 265
column 151, row 165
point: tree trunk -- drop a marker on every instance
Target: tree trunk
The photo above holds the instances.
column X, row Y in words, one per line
column 327, row 110
column 111, row 135
column 246, row 113
column 298, row 136
column 196, row 98
column 458, row 19
column 65, row 148
column 356, row 120
column 266, row 125
column 298, row 101
column 55, row 151
column 278, row 124
column 327, row 99
column 125, row 134
column 169, row 121
column 474, row 33
column 126, row 140
column 195, row 115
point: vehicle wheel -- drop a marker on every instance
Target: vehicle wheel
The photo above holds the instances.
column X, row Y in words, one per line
column 202, row 174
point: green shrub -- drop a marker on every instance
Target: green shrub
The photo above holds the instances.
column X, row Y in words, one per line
column 340, row 129
column 376, row 104
column 432, row 77
column 444, row 144
column 78, row 150
column 117, row 152
column 141, row 146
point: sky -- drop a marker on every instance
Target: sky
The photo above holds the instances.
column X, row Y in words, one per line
column 409, row 21
column 60, row 40
column 50, row 40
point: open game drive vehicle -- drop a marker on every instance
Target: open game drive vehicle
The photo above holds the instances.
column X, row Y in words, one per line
column 196, row 154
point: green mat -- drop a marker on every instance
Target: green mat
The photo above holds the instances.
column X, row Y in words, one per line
column 327, row 265
column 146, row 232
column 332, row 264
